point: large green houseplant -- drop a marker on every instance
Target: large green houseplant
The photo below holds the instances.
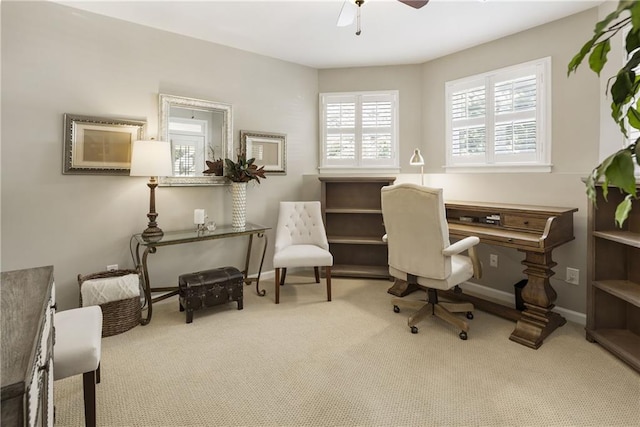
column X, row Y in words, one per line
column 617, row 169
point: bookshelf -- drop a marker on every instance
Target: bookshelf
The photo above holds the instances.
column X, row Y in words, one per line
column 352, row 214
column 613, row 288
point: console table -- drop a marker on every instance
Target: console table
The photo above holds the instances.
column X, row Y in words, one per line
column 190, row 236
column 533, row 230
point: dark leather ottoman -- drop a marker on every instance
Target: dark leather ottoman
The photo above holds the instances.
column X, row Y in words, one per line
column 209, row 288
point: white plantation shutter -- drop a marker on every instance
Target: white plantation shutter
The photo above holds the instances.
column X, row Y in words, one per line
column 358, row 130
column 341, row 129
column 501, row 118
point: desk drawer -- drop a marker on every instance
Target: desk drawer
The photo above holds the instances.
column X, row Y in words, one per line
column 523, row 222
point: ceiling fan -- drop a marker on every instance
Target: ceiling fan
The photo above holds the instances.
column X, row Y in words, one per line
column 351, row 9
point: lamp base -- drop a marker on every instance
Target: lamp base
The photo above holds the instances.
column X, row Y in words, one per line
column 152, row 234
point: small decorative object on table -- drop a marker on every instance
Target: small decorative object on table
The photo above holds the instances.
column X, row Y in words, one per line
column 199, row 219
column 240, row 173
column 209, row 288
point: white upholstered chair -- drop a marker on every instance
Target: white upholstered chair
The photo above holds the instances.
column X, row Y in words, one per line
column 420, row 252
column 77, row 350
column 301, row 241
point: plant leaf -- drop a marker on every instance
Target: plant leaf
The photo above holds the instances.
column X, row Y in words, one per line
column 621, row 88
column 622, row 210
column 635, row 14
column 620, row 172
column 598, row 56
column 633, row 117
column 632, row 42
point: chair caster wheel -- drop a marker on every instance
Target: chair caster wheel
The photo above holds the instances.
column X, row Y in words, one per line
column 396, row 309
column 469, row 315
column 463, row 336
column 414, row 330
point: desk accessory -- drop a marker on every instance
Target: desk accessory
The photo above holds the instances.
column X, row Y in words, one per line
column 418, row 160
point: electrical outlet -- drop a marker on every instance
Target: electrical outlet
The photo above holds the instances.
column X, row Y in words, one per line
column 112, row 267
column 573, row 276
column 493, row 260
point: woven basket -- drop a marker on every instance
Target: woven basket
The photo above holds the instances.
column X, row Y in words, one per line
column 117, row 316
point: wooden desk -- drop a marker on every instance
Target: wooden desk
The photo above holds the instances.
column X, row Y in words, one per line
column 533, row 230
column 190, row 236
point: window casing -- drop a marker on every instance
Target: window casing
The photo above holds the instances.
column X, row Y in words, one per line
column 358, row 130
column 500, row 120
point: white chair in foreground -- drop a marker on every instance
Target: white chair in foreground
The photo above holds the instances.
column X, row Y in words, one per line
column 420, row 253
column 77, row 347
column 301, row 241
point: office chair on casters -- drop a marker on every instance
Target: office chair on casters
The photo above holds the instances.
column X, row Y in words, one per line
column 301, row 241
column 417, row 235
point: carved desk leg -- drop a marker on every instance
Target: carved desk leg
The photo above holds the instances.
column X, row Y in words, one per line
column 537, row 321
column 402, row 288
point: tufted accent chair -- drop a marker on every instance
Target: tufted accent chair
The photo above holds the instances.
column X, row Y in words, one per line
column 301, row 241
column 421, row 254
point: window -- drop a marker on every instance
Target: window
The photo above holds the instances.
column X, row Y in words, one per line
column 501, row 119
column 359, row 130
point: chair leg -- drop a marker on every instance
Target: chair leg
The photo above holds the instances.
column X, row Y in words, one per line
column 317, row 272
column 327, row 272
column 445, row 315
column 284, row 274
column 89, row 387
column 98, row 374
column 277, row 283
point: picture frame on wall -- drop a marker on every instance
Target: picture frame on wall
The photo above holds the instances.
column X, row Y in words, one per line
column 99, row 145
column 268, row 148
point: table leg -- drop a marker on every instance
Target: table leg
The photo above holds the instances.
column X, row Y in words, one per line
column 537, row 320
column 147, row 283
column 248, row 280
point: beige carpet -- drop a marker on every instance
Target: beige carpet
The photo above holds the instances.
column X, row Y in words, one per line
column 349, row 362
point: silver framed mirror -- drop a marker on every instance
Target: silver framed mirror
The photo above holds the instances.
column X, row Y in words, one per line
column 198, row 130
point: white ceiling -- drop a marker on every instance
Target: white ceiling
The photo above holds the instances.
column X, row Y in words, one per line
column 305, row 31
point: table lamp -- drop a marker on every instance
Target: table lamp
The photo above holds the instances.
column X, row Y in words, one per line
column 417, row 160
column 152, row 159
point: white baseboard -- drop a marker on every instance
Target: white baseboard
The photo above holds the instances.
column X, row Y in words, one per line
column 508, row 299
column 493, row 294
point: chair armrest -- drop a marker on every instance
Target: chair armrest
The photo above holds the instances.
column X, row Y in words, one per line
column 461, row 246
column 384, row 238
column 467, row 244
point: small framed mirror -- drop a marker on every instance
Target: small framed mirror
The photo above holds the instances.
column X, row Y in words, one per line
column 269, row 149
column 198, row 131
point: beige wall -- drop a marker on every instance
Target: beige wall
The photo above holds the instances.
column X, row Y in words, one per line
column 56, row 60
column 575, row 133
column 59, row 60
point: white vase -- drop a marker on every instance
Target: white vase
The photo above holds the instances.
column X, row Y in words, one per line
column 238, row 204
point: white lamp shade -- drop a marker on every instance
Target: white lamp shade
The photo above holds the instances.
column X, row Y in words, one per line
column 151, row 158
column 416, row 159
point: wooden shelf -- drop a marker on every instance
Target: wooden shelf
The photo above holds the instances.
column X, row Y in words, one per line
column 613, row 290
column 356, row 240
column 623, row 289
column 621, row 342
column 628, row 238
column 351, row 270
column 352, row 213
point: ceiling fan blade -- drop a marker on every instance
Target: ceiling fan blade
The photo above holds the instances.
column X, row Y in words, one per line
column 347, row 13
column 417, row 4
